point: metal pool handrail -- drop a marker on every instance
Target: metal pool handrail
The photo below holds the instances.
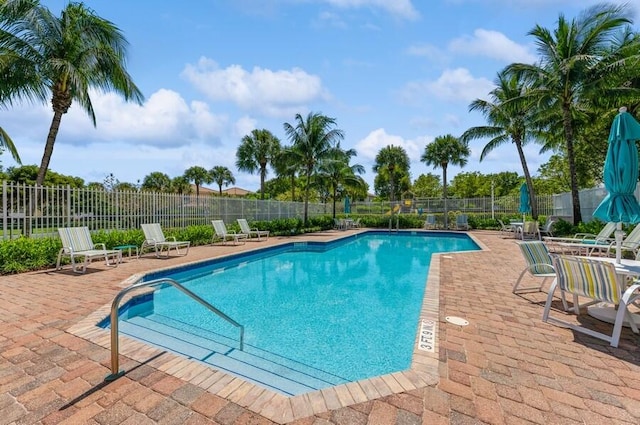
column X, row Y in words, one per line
column 115, row 373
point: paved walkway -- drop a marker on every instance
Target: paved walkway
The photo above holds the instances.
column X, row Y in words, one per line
column 505, row 367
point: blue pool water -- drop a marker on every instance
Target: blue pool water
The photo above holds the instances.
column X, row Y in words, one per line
column 334, row 312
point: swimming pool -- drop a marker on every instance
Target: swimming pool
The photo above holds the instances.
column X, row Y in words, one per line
column 315, row 314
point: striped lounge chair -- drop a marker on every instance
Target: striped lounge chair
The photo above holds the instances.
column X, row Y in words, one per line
column 77, row 243
column 539, row 264
column 598, row 281
column 154, row 238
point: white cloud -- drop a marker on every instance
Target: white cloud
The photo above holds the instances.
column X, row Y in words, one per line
column 428, row 51
column 452, row 85
column 273, row 93
column 492, row 44
column 165, row 119
column 400, row 8
column 369, row 147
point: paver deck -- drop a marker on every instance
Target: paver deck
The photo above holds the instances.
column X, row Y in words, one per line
column 505, row 367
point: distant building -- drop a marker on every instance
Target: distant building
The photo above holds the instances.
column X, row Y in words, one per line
column 236, row 191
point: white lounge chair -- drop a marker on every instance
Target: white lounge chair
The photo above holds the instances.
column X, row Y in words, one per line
column 462, row 222
column 630, row 243
column 247, row 230
column 430, row 222
column 220, row 233
column 604, row 236
column 598, row 281
column 77, row 243
column 154, row 238
column 506, row 230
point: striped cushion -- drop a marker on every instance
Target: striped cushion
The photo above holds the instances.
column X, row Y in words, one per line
column 77, row 239
column 153, row 232
column 537, row 257
column 589, row 278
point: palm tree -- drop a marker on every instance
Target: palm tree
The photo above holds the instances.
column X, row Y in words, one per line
column 44, row 57
column 394, row 162
column 7, row 143
column 312, row 140
column 335, row 172
column 578, row 62
column 445, row 150
column 256, row 151
column 198, row 175
column 180, row 184
column 222, row 176
column 156, row 182
column 508, row 116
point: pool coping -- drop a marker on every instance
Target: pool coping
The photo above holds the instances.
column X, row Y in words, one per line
column 423, row 372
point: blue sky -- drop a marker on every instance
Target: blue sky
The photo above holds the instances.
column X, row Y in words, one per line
column 398, row 72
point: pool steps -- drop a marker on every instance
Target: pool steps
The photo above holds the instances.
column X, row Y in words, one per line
column 254, row 365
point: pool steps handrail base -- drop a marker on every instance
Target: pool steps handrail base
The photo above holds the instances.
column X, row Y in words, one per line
column 114, row 317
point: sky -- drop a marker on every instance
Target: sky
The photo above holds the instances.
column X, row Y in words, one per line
column 390, row 72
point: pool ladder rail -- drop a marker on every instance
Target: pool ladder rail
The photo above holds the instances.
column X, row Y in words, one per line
column 115, row 350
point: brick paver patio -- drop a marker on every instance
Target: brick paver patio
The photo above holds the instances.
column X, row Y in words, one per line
column 505, row 367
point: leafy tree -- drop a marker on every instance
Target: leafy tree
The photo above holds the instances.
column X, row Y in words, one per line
column 508, row 115
column 44, row 57
column 470, row 185
column 312, row 140
column 180, row 185
column 28, row 174
column 198, row 175
column 427, row 186
column 392, row 166
column 445, row 150
column 222, row 176
column 256, row 151
column 95, row 186
column 579, row 62
column 505, row 183
column 336, row 173
column 126, row 187
column 156, row 182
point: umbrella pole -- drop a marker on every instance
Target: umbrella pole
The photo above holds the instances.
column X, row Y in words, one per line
column 618, row 234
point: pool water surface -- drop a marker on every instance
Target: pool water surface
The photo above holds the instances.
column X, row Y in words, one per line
column 315, row 314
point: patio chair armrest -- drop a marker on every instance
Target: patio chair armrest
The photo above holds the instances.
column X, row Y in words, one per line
column 100, row 245
column 171, row 238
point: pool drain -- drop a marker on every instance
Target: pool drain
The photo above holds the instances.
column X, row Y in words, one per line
column 456, row 320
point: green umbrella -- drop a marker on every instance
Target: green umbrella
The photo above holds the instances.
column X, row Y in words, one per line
column 621, row 176
column 525, row 203
column 347, row 205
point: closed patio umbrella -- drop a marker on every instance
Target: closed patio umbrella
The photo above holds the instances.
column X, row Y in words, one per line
column 525, row 204
column 621, row 176
column 347, row 205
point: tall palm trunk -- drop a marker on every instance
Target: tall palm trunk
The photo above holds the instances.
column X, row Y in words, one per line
column 263, row 173
column 575, row 195
column 444, row 195
column 334, row 201
column 48, row 148
column 306, row 197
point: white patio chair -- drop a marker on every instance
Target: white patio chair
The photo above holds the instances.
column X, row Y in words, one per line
column 221, row 234
column 598, row 281
column 462, row 222
column 77, row 243
column 247, row 230
column 538, row 264
column 154, row 238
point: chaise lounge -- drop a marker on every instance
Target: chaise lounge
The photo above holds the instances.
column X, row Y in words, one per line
column 154, row 238
column 77, row 243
